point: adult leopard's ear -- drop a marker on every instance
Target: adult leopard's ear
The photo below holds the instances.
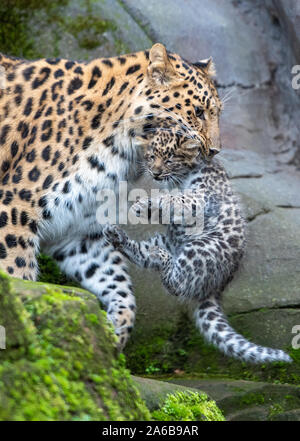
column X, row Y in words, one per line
column 160, row 69
column 208, row 66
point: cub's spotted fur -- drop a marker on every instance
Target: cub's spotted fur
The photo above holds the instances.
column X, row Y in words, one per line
column 195, row 261
column 69, row 129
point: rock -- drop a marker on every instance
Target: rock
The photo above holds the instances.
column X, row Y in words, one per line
column 268, row 277
column 289, row 11
column 247, row 121
column 285, row 16
column 291, row 415
column 267, row 326
column 61, row 361
column 78, row 29
column 199, row 31
column 248, row 400
column 156, row 393
column 157, row 311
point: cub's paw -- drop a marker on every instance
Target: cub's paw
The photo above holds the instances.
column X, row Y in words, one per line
column 115, row 235
column 142, row 208
column 159, row 257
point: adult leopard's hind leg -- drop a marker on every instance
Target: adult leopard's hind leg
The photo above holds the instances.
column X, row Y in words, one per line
column 99, row 268
column 18, row 243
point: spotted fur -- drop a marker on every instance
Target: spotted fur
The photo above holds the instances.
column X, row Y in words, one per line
column 195, row 260
column 69, row 129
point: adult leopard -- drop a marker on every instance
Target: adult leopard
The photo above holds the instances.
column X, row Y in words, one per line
column 69, row 129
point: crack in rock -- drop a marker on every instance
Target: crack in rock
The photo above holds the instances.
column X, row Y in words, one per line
column 252, row 176
column 297, row 207
column 137, row 19
column 234, row 84
column 269, row 308
column 265, row 83
column 264, row 211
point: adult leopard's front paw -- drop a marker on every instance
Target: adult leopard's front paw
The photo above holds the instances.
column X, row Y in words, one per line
column 115, row 235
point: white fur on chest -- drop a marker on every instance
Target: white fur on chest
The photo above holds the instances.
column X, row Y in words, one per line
column 74, row 202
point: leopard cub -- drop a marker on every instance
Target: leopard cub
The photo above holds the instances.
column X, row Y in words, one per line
column 195, row 264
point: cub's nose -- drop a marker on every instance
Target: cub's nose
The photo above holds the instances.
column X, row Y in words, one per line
column 156, row 174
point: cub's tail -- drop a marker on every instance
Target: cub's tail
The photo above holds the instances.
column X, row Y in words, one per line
column 212, row 323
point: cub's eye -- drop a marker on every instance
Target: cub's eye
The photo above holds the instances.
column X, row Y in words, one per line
column 151, row 157
column 169, row 161
column 199, row 112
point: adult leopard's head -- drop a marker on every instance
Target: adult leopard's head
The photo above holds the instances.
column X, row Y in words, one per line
column 179, row 95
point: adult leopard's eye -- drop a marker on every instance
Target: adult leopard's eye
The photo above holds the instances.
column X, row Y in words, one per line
column 199, row 112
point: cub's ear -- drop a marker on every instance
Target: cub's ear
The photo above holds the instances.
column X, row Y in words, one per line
column 207, row 65
column 160, row 69
column 213, row 151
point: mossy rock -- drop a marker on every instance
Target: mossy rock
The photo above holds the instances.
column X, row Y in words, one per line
column 170, row 402
column 188, row 406
column 61, row 361
column 77, row 29
column 248, row 400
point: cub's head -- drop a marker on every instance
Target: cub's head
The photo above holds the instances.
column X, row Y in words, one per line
column 170, row 155
column 177, row 93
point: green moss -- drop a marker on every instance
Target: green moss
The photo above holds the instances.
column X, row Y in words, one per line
column 188, row 406
column 120, row 46
column 272, row 399
column 61, row 361
column 89, row 30
column 275, row 409
column 253, row 398
column 161, row 351
column 15, row 33
column 57, row 19
column 14, row 39
column 50, row 272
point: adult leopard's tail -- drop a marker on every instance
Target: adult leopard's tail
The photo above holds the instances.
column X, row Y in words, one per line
column 212, row 323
